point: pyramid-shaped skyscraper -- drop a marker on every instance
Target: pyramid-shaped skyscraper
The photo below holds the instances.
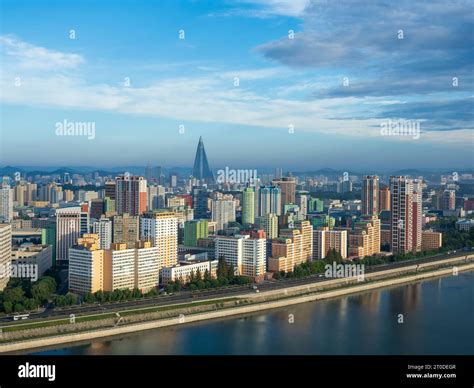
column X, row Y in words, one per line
column 201, row 170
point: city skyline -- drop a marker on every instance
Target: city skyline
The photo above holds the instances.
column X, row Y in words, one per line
column 292, row 76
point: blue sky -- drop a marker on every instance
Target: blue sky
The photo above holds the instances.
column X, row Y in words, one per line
column 300, row 84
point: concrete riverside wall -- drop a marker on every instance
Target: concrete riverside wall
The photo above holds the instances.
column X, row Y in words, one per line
column 132, row 328
column 340, row 282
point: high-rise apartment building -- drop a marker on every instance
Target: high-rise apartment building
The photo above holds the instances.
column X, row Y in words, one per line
column 5, row 254
column 449, row 200
column 126, row 229
column 370, row 195
column 161, row 228
column 248, row 206
column 288, row 190
column 200, row 207
column 110, row 189
column 305, row 230
column 302, row 200
column 19, row 194
column 365, row 238
column 246, row 253
column 6, row 203
column 71, row 224
column 131, row 195
column 315, row 205
column 119, row 267
column 194, row 230
column 384, row 198
column 103, row 228
column 269, row 223
column 86, row 262
column 325, row 239
column 31, row 192
column 223, row 212
column 68, row 195
column 406, row 223
column 269, row 200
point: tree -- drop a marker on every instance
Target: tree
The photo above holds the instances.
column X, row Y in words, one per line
column 200, row 284
column 8, row 307
column 137, row 293
column 152, row 292
column 13, row 295
column 231, row 273
column 89, row 298
column 198, row 275
column 207, row 275
column 99, row 296
column 31, row 304
column 71, row 298
column 60, row 301
column 18, row 308
column 222, row 270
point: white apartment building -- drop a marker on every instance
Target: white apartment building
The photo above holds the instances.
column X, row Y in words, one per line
column 184, row 269
column 247, row 255
column 223, row 212
column 103, row 228
column 147, row 267
column 71, row 224
column 325, row 239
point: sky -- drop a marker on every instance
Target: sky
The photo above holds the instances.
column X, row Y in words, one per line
column 298, row 84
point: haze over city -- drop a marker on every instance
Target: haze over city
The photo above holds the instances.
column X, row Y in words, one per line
column 314, row 80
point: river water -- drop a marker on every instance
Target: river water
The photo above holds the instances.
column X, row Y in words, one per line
column 431, row 317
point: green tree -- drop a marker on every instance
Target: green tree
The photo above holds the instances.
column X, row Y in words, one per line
column 8, row 307
column 198, row 275
column 89, row 298
column 31, row 304
column 71, row 298
column 137, row 293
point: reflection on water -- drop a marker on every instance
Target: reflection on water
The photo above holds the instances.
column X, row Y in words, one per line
column 438, row 316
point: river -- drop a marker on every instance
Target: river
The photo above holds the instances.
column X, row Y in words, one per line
column 430, row 317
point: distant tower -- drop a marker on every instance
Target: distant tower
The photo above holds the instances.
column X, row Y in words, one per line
column 201, row 170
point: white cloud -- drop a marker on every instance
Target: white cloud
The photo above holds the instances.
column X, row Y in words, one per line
column 293, row 8
column 27, row 56
column 209, row 98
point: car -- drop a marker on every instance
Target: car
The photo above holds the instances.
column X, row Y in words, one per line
column 254, row 287
column 257, row 290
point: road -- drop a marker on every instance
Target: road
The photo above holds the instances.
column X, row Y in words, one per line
column 230, row 291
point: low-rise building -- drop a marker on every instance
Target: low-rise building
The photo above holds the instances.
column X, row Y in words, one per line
column 32, row 260
column 183, row 270
column 431, row 241
column 465, row 225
